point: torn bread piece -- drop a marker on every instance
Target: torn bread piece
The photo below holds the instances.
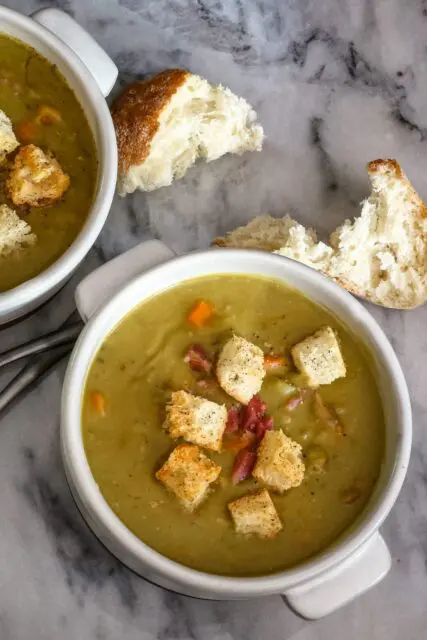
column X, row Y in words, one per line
column 195, row 419
column 8, row 141
column 240, row 369
column 188, row 473
column 36, row 178
column 274, row 234
column 380, row 256
column 319, row 357
column 15, row 233
column 279, row 463
column 255, row 514
column 164, row 124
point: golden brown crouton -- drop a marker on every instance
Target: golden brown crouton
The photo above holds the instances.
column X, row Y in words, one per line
column 255, row 514
column 36, row 178
column 197, row 420
column 240, row 369
column 279, row 464
column 188, row 474
column 319, row 357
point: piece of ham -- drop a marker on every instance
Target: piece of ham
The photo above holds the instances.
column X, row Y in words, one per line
column 233, row 420
column 252, row 413
column 243, row 465
column 326, row 414
column 298, row 398
column 197, row 359
column 264, row 424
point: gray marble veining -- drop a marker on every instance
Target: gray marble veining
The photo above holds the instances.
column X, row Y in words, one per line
column 336, row 83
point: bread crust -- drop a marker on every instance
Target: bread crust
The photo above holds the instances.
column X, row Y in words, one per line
column 136, row 114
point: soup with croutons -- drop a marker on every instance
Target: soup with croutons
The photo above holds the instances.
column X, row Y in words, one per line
column 233, row 425
column 48, row 164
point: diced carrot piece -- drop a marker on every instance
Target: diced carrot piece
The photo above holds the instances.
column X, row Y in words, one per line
column 26, row 131
column 200, row 313
column 272, row 362
column 237, row 443
column 48, row 115
column 98, row 402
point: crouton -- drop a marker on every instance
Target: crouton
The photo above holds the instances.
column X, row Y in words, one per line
column 188, row 473
column 36, row 178
column 197, row 420
column 240, row 369
column 8, row 141
column 255, row 514
column 279, row 463
column 319, row 358
column 15, row 233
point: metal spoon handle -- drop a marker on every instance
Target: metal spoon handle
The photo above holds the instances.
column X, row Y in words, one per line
column 49, row 341
column 31, row 373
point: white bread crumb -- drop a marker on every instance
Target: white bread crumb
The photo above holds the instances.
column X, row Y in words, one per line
column 240, row 369
column 15, row 233
column 8, row 141
column 195, row 419
column 255, row 514
column 188, row 473
column 319, row 357
column 279, row 463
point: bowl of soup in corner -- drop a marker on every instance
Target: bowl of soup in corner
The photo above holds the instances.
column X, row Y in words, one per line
column 58, row 156
column 234, row 425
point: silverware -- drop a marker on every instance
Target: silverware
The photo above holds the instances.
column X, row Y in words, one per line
column 31, row 373
column 58, row 344
column 44, row 343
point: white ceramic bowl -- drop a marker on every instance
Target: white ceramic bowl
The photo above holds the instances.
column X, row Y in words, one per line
column 91, row 74
column 360, row 557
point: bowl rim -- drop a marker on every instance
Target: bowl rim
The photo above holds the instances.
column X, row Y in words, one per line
column 83, row 483
column 106, row 147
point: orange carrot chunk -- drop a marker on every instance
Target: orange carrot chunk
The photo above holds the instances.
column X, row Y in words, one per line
column 98, row 402
column 272, row 362
column 200, row 314
column 48, row 115
column 26, row 131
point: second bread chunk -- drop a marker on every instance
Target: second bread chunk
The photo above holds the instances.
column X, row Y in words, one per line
column 188, row 473
column 195, row 419
column 319, row 357
column 240, row 369
column 279, row 464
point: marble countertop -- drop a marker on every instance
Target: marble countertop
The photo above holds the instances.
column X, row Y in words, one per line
column 336, row 83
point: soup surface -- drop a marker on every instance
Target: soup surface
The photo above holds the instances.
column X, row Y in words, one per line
column 27, row 83
column 141, row 362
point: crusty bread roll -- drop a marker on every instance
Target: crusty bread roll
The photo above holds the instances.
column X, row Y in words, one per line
column 163, row 125
column 380, row 256
column 15, row 233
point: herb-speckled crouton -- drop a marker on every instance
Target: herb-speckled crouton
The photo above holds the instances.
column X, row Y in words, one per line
column 255, row 514
column 279, row 464
column 240, row 369
column 188, row 473
column 195, row 419
column 319, row 357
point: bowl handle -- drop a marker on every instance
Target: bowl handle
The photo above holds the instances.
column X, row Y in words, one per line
column 88, row 50
column 343, row 583
column 103, row 283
